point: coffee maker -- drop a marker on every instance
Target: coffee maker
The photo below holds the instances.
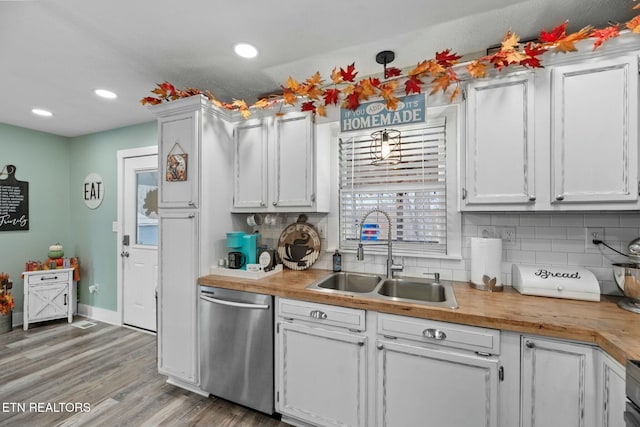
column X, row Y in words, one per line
column 242, row 249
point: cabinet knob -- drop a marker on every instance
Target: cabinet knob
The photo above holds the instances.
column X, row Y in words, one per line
column 124, row 254
column 275, row 203
column 361, row 343
column 560, row 197
column 262, row 204
column 532, row 198
column 529, row 344
column 379, row 346
column 192, row 204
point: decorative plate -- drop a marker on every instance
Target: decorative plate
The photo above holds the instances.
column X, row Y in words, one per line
column 299, row 245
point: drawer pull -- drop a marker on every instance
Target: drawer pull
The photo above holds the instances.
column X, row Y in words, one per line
column 317, row 314
column 49, row 278
column 435, row 334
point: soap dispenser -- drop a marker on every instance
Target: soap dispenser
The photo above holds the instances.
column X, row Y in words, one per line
column 337, row 261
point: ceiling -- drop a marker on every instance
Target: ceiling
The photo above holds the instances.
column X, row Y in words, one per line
column 54, row 53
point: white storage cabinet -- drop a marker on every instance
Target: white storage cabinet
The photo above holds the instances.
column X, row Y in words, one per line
column 193, row 220
column 321, row 367
column 48, row 295
column 435, row 373
column 500, row 141
column 278, row 166
column 558, row 385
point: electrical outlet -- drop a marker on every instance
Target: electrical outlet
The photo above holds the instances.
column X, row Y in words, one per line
column 322, row 231
column 508, row 236
column 591, row 233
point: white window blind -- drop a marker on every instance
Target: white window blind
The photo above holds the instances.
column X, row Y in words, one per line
column 412, row 192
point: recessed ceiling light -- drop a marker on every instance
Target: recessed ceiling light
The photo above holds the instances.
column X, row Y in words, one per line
column 103, row 93
column 41, row 112
column 245, row 50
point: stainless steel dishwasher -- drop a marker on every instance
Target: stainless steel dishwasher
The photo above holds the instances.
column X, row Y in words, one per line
column 236, row 346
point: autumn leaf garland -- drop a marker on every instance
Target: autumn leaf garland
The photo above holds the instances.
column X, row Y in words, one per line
column 439, row 72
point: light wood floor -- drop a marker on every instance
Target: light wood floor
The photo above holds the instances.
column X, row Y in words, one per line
column 57, row 374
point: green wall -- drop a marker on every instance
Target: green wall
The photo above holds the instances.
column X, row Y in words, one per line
column 55, row 168
column 43, row 161
column 91, row 229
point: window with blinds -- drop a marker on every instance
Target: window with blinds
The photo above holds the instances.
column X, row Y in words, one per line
column 412, row 192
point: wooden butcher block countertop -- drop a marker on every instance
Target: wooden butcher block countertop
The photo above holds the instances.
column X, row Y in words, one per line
column 603, row 323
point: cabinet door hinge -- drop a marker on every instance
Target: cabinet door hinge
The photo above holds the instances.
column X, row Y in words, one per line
column 501, row 373
column 464, row 193
column 464, row 94
column 277, row 328
column 278, row 396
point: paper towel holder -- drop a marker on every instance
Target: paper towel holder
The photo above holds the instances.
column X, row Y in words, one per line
column 489, row 284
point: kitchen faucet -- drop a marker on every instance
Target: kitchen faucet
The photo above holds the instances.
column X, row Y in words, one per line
column 391, row 267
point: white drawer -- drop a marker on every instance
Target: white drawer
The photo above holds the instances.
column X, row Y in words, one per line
column 349, row 318
column 48, row 276
column 441, row 333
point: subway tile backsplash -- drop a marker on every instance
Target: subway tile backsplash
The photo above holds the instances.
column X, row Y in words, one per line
column 556, row 239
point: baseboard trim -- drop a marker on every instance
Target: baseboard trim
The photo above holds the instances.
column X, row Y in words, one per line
column 99, row 314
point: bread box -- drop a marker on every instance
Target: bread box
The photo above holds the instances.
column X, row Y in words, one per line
column 557, row 282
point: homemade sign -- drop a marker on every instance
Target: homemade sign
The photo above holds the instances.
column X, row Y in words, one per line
column 93, row 190
column 14, row 202
column 410, row 109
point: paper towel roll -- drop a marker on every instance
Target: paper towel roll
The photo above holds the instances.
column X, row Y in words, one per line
column 486, row 258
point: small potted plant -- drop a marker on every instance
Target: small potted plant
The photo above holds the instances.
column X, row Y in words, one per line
column 6, row 304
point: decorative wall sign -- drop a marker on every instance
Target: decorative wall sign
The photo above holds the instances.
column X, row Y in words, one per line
column 14, row 201
column 177, row 163
column 299, row 245
column 93, row 190
column 410, row 109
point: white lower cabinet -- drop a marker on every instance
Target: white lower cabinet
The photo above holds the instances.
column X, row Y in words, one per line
column 347, row 367
column 435, row 373
column 48, row 294
column 558, row 385
column 177, row 298
column 611, row 391
column 425, row 386
column 321, row 369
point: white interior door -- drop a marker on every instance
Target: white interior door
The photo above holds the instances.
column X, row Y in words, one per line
column 140, row 241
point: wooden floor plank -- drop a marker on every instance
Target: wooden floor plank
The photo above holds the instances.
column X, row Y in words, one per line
column 55, row 374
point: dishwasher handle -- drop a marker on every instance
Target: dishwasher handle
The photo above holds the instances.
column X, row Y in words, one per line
column 235, row 304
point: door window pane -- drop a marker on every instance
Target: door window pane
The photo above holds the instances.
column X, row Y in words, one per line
column 147, row 208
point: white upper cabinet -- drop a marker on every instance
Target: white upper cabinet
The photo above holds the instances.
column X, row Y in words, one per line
column 594, row 124
column 560, row 138
column 179, row 137
column 250, row 165
column 277, row 164
column 499, row 141
column 293, row 152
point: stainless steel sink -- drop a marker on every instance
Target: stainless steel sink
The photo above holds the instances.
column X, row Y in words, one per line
column 418, row 290
column 349, row 282
column 412, row 290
